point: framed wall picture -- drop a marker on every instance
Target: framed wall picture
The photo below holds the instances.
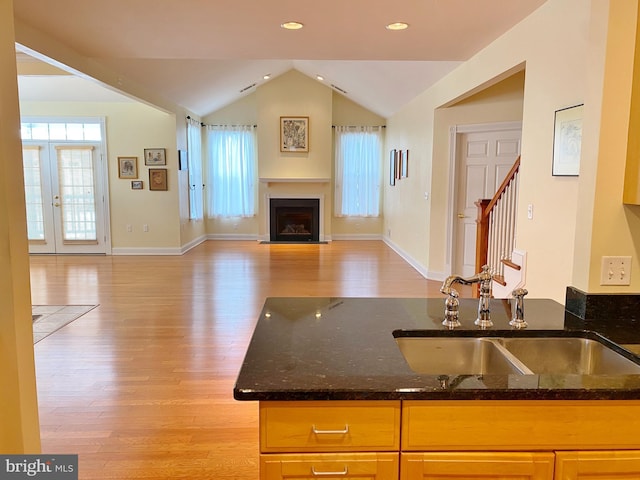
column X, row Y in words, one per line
column 393, row 166
column 136, row 185
column 404, row 173
column 155, row 156
column 567, row 141
column 127, row 167
column 158, row 179
column 294, row 134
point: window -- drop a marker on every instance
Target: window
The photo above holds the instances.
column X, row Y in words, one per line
column 231, row 171
column 194, row 159
column 358, row 171
column 80, row 130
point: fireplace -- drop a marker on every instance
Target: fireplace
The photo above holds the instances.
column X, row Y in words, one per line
column 294, row 219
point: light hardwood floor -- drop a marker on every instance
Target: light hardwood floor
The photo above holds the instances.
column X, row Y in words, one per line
column 141, row 387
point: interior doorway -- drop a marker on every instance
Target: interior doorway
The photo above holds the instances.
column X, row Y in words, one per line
column 484, row 155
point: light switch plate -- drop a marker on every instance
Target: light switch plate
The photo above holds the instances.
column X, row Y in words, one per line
column 615, row 271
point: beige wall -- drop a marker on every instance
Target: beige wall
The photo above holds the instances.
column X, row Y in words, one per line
column 19, row 429
column 555, row 78
column 132, row 127
column 294, row 94
column 498, row 103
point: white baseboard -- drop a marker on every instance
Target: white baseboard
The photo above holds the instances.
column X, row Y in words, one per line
column 146, row 251
column 407, row 258
column 232, row 236
column 193, row 243
column 357, row 236
column 438, row 276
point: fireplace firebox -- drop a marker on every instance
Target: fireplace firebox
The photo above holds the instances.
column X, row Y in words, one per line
column 294, row 219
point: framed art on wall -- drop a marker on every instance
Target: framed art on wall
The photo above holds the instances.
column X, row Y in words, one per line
column 136, row 185
column 567, row 141
column 127, row 167
column 158, row 179
column 393, row 166
column 155, row 156
column 294, row 134
column 404, row 170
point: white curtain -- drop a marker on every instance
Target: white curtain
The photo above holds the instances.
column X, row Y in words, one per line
column 194, row 160
column 358, row 165
column 231, row 171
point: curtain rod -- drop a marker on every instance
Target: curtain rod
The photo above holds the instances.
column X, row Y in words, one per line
column 189, row 118
column 221, row 125
column 359, row 126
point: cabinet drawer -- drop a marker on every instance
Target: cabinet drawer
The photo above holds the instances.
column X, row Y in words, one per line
column 519, row 425
column 598, row 465
column 329, row 426
column 375, row 466
column 485, row 465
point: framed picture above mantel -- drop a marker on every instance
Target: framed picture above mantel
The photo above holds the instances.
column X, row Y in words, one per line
column 294, row 134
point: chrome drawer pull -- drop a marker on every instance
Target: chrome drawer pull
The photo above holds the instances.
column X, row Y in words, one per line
column 330, row 432
column 327, row 474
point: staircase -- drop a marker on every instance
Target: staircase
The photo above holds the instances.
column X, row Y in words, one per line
column 496, row 233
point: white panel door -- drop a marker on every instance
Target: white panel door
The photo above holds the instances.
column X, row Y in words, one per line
column 484, row 159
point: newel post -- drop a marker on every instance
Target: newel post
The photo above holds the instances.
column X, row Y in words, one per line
column 482, row 236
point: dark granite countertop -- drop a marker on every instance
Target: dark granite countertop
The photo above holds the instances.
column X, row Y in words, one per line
column 344, row 349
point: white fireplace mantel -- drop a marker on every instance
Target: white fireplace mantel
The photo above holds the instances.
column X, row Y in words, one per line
column 294, row 180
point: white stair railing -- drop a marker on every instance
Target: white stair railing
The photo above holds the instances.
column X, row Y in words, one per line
column 496, row 221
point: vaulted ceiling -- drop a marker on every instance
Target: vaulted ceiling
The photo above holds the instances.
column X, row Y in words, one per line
column 203, row 54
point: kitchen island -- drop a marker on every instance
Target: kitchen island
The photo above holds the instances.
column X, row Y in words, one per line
column 338, row 399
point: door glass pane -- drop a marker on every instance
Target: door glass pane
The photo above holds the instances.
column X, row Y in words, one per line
column 57, row 131
column 92, row 132
column 33, row 193
column 40, row 131
column 77, row 193
column 75, row 131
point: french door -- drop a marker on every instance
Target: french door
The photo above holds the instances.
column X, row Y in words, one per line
column 64, row 196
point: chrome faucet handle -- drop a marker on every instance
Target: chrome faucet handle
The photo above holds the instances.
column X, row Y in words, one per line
column 517, row 319
column 485, row 279
column 451, row 305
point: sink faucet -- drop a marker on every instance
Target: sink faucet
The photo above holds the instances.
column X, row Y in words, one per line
column 484, row 278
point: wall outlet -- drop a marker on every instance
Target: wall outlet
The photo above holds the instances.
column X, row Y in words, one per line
column 129, row 228
column 145, row 228
column 615, row 271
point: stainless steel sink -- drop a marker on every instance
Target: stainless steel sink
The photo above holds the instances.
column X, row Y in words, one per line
column 569, row 356
column 560, row 355
column 457, row 356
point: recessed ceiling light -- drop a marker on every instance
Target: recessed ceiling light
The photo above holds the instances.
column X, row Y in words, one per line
column 320, row 77
column 292, row 25
column 266, row 77
column 397, row 26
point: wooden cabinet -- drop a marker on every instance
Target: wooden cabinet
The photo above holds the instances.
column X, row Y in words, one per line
column 350, row 439
column 520, row 425
column 485, row 465
column 370, row 466
column 598, row 465
column 363, row 426
column 450, row 440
